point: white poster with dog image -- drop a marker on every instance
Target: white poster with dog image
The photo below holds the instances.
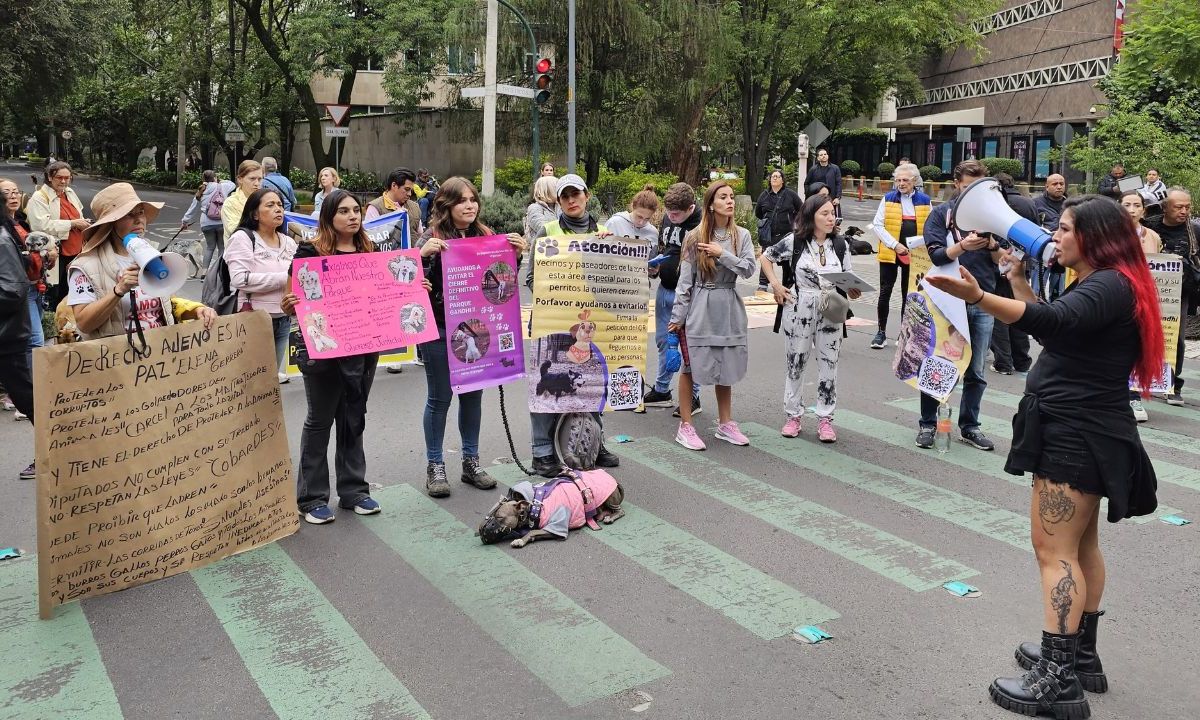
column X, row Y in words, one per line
column 587, row 340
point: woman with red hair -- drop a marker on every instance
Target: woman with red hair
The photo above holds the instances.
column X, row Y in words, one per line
column 1075, row 433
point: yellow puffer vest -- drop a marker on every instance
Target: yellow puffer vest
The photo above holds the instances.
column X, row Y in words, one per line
column 893, row 218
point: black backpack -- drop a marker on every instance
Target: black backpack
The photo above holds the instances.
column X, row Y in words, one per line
column 789, row 273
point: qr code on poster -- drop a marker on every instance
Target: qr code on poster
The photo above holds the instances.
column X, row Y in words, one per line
column 506, row 341
column 937, row 378
column 1163, row 383
column 624, row 389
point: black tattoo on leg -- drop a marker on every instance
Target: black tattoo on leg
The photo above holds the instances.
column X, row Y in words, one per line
column 1054, row 506
column 1060, row 597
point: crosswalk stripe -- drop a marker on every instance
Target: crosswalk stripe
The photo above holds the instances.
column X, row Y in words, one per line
column 973, row 460
column 1165, row 438
column 974, row 515
column 1166, row 471
column 912, row 566
column 749, row 597
column 53, row 668
column 302, row 653
column 499, row 593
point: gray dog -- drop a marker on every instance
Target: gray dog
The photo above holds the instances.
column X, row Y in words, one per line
column 553, row 508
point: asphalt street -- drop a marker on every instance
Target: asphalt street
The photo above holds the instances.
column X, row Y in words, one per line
column 683, row 609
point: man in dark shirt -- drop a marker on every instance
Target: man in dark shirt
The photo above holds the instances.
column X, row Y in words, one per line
column 979, row 254
column 827, row 174
column 1173, row 227
column 1010, row 345
column 1049, row 207
column 1109, row 184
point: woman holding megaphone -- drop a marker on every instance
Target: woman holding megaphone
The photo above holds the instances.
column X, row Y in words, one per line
column 102, row 283
column 1075, row 434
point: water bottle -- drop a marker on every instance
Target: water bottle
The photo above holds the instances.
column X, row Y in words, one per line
column 941, row 440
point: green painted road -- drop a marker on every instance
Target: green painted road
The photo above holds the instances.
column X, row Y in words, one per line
column 903, row 562
column 499, row 593
column 299, row 649
column 52, row 668
column 996, row 523
column 974, row 461
column 747, row 596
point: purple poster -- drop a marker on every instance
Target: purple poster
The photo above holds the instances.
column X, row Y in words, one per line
column 483, row 313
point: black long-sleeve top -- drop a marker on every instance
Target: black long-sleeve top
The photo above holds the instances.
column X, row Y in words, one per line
column 1090, row 345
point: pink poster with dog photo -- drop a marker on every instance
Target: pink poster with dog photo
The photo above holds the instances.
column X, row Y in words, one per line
column 362, row 303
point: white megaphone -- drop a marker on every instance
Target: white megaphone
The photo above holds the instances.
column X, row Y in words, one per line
column 162, row 273
column 982, row 208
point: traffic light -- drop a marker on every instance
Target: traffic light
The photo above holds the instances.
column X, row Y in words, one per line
column 544, row 73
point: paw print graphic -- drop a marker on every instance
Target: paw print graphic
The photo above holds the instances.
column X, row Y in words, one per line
column 547, row 247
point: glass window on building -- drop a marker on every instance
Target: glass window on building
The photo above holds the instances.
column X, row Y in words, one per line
column 461, row 60
column 991, row 147
column 1020, row 152
column 1041, row 158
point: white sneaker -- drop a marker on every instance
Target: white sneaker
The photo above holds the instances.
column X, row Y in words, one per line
column 18, row 415
column 284, row 379
column 1139, row 410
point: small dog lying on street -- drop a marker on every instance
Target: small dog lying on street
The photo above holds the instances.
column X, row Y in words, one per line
column 553, row 508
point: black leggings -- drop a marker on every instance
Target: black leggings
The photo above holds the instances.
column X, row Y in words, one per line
column 887, row 280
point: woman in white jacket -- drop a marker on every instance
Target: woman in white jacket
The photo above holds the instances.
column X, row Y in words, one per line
column 56, row 210
column 259, row 256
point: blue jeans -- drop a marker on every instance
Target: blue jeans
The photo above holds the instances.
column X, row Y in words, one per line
column 974, row 380
column 664, row 300
column 281, row 328
column 36, row 337
column 437, row 406
column 425, row 203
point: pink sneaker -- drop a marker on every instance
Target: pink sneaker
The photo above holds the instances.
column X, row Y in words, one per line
column 688, row 438
column 825, row 431
column 791, row 428
column 730, row 433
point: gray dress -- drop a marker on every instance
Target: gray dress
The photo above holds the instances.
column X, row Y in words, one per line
column 713, row 314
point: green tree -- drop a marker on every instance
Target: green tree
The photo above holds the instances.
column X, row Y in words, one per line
column 303, row 38
column 1163, row 37
column 50, row 45
column 830, row 60
column 644, row 78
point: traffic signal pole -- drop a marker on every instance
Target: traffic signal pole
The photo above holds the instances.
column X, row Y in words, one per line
column 489, row 100
column 533, row 106
column 570, row 86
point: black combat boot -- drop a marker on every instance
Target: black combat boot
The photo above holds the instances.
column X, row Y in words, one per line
column 1050, row 687
column 1087, row 661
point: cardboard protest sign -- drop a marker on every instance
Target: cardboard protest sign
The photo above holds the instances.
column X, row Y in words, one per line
column 933, row 349
column 361, row 303
column 149, row 466
column 483, row 313
column 588, row 337
column 1167, row 271
column 388, row 232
